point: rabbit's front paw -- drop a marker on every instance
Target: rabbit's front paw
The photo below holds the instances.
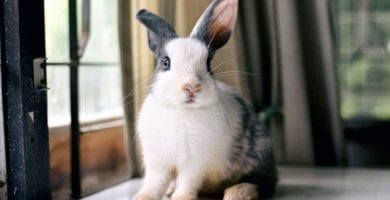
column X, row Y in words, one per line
column 143, row 196
column 243, row 191
column 184, row 197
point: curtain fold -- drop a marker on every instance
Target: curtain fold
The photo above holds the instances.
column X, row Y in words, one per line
column 298, row 146
column 294, row 51
column 254, row 55
column 125, row 51
column 137, row 65
column 321, row 82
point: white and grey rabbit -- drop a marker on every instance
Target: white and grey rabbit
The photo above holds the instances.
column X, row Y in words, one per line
column 197, row 134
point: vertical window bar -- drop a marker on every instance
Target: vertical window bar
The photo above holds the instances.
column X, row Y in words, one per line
column 24, row 93
column 74, row 108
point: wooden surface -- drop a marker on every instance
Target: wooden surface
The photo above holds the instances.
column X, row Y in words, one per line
column 301, row 183
column 101, row 165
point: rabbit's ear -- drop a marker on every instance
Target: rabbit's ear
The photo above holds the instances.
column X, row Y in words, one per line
column 159, row 31
column 217, row 23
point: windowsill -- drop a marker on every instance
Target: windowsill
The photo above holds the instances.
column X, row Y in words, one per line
column 91, row 125
column 305, row 183
column 85, row 119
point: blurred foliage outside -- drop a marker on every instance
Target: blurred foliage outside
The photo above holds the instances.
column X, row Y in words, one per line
column 363, row 53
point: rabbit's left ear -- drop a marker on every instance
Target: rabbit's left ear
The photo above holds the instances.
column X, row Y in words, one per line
column 159, row 31
column 217, row 23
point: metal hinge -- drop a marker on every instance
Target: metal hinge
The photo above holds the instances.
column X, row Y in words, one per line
column 40, row 74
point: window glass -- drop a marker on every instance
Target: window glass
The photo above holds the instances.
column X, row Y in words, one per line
column 100, row 100
column 99, row 89
column 56, row 30
column 363, row 30
column 103, row 41
column 58, row 95
column 100, row 93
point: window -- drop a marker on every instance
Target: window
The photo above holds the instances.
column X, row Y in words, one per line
column 363, row 31
column 363, row 36
column 103, row 157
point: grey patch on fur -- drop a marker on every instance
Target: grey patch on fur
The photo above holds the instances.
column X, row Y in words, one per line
column 160, row 60
column 208, row 65
column 159, row 31
column 252, row 152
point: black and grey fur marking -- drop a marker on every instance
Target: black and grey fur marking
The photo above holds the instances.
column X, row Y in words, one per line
column 203, row 27
column 208, row 65
column 252, row 152
column 159, row 31
column 160, row 60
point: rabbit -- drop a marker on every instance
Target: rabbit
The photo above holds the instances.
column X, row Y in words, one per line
column 197, row 135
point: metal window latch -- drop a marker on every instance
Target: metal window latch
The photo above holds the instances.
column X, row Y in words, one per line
column 39, row 65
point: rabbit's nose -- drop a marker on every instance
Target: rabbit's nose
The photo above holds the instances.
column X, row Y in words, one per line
column 192, row 88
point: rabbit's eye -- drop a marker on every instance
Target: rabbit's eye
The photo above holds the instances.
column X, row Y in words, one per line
column 166, row 63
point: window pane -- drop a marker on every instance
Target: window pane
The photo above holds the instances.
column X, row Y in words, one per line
column 58, row 95
column 103, row 41
column 56, row 28
column 99, row 98
column 363, row 29
column 59, row 135
column 100, row 93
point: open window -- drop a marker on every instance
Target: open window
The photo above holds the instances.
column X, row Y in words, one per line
column 87, row 43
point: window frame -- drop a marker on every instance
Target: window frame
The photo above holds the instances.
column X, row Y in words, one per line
column 24, row 98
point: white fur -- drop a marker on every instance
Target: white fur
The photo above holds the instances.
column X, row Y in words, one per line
column 188, row 66
column 191, row 139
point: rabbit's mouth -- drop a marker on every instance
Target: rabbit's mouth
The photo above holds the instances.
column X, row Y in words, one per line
column 190, row 100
